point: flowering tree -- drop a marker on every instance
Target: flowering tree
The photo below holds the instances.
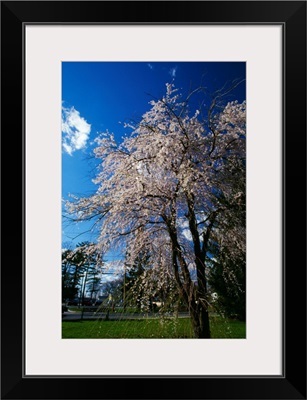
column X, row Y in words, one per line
column 150, row 281
column 170, row 188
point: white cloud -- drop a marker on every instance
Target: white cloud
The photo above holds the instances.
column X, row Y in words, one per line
column 112, row 270
column 173, row 71
column 75, row 130
column 187, row 234
column 183, row 224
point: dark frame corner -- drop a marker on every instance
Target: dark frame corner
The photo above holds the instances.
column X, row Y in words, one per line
column 292, row 14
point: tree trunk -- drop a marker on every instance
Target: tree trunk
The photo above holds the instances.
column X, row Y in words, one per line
column 198, row 312
column 200, row 322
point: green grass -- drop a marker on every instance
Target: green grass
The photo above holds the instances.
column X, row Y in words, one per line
column 149, row 329
column 222, row 328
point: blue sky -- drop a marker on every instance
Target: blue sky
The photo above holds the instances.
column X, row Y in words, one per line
column 100, row 96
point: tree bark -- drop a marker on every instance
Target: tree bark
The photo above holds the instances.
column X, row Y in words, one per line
column 194, row 297
column 191, row 295
column 198, row 310
column 200, row 322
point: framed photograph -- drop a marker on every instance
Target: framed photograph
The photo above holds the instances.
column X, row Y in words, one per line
column 161, row 196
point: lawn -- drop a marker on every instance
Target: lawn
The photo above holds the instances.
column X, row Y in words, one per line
column 151, row 328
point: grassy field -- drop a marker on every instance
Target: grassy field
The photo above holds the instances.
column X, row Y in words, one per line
column 149, row 329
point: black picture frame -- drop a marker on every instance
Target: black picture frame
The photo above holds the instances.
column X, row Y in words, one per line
column 292, row 16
